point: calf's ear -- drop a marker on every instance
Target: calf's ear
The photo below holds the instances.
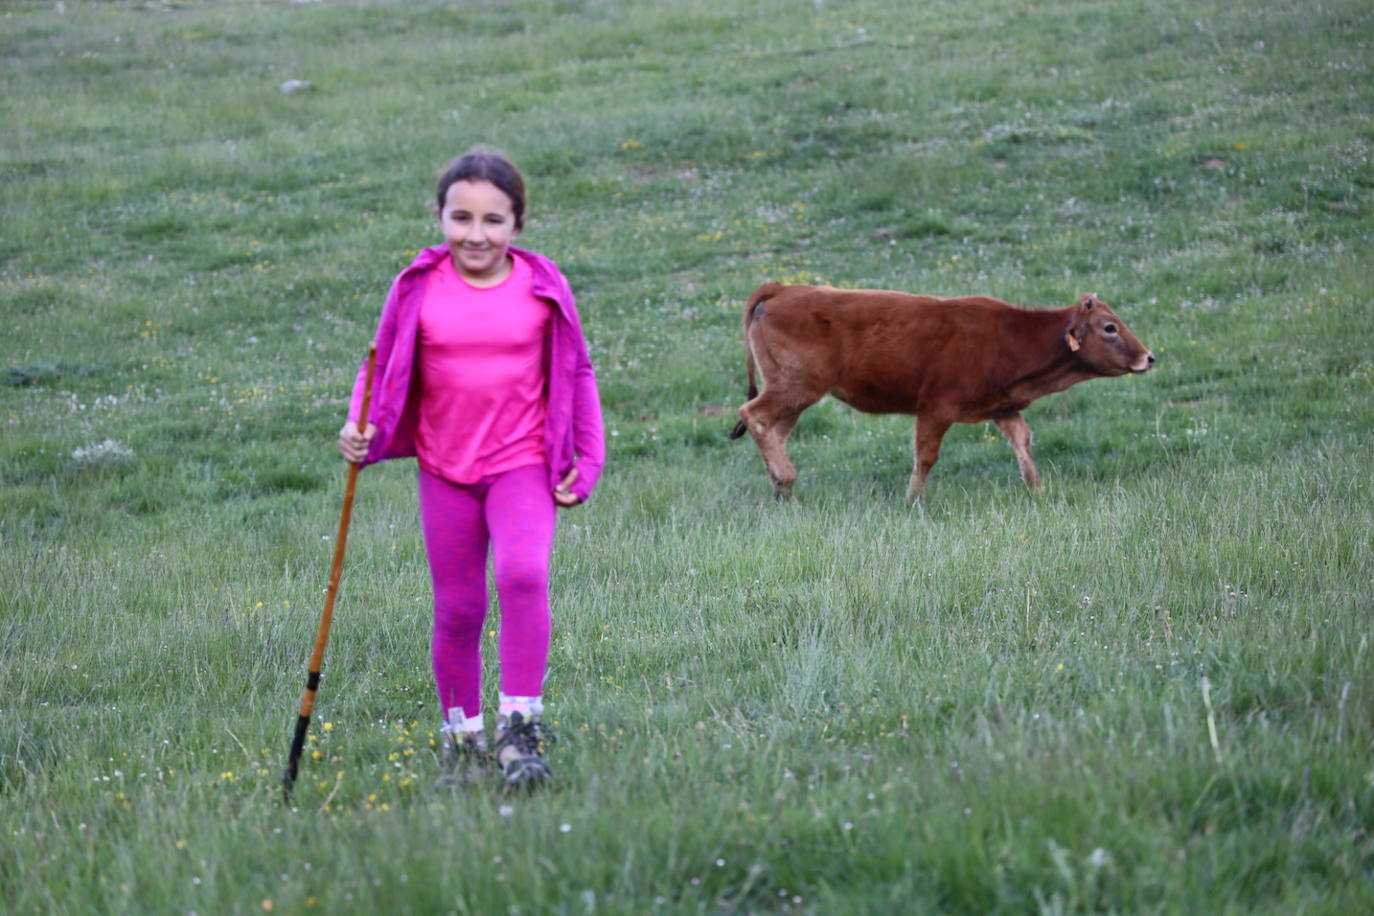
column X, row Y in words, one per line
column 1073, row 336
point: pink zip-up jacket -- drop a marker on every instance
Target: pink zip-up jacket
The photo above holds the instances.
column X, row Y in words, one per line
column 573, row 435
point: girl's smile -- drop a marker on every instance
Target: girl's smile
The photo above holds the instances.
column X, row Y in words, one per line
column 478, row 220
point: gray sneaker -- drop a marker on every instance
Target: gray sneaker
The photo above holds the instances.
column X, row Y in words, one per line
column 464, row 759
column 520, row 742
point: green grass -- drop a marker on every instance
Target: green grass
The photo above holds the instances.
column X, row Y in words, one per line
column 1145, row 690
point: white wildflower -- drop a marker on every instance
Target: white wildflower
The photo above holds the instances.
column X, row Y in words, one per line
column 107, row 452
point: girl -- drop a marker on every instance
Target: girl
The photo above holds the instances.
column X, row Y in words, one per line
column 483, row 376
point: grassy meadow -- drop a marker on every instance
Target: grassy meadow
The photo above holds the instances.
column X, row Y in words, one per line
column 1147, row 689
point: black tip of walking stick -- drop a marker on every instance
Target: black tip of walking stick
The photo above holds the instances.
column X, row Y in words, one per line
column 288, row 779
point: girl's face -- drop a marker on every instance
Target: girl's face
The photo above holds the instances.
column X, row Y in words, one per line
column 479, row 225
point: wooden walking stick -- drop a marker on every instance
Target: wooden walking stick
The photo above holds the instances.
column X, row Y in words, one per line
column 312, row 682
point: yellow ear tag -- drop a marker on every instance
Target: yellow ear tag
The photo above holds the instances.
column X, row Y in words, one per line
column 1071, row 341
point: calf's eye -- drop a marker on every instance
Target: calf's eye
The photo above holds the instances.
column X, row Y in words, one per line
column 1109, row 328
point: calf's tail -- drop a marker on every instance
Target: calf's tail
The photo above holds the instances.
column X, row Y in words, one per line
column 750, row 309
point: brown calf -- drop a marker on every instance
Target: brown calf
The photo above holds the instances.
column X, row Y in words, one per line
column 948, row 360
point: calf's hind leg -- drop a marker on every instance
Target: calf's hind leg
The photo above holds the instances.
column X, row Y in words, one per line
column 769, row 426
column 1019, row 435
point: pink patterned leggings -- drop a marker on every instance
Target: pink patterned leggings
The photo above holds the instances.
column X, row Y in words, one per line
column 513, row 515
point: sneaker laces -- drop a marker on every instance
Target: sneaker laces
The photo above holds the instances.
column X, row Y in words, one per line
column 528, row 736
column 460, row 744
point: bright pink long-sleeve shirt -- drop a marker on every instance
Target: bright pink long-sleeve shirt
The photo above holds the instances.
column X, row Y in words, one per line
column 573, row 431
column 481, row 375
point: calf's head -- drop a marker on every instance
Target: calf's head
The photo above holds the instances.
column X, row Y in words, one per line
column 1102, row 341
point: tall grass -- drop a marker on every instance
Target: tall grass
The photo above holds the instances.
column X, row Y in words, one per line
column 1145, row 690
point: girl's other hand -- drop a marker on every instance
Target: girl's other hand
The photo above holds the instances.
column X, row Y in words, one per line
column 561, row 494
column 353, row 444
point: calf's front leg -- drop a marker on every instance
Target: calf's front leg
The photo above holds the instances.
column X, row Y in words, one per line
column 1019, row 435
column 930, row 431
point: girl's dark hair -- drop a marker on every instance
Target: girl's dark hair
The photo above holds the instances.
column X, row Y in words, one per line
column 482, row 164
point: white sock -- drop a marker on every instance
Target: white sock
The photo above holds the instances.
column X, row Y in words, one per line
column 458, row 723
column 526, row 706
